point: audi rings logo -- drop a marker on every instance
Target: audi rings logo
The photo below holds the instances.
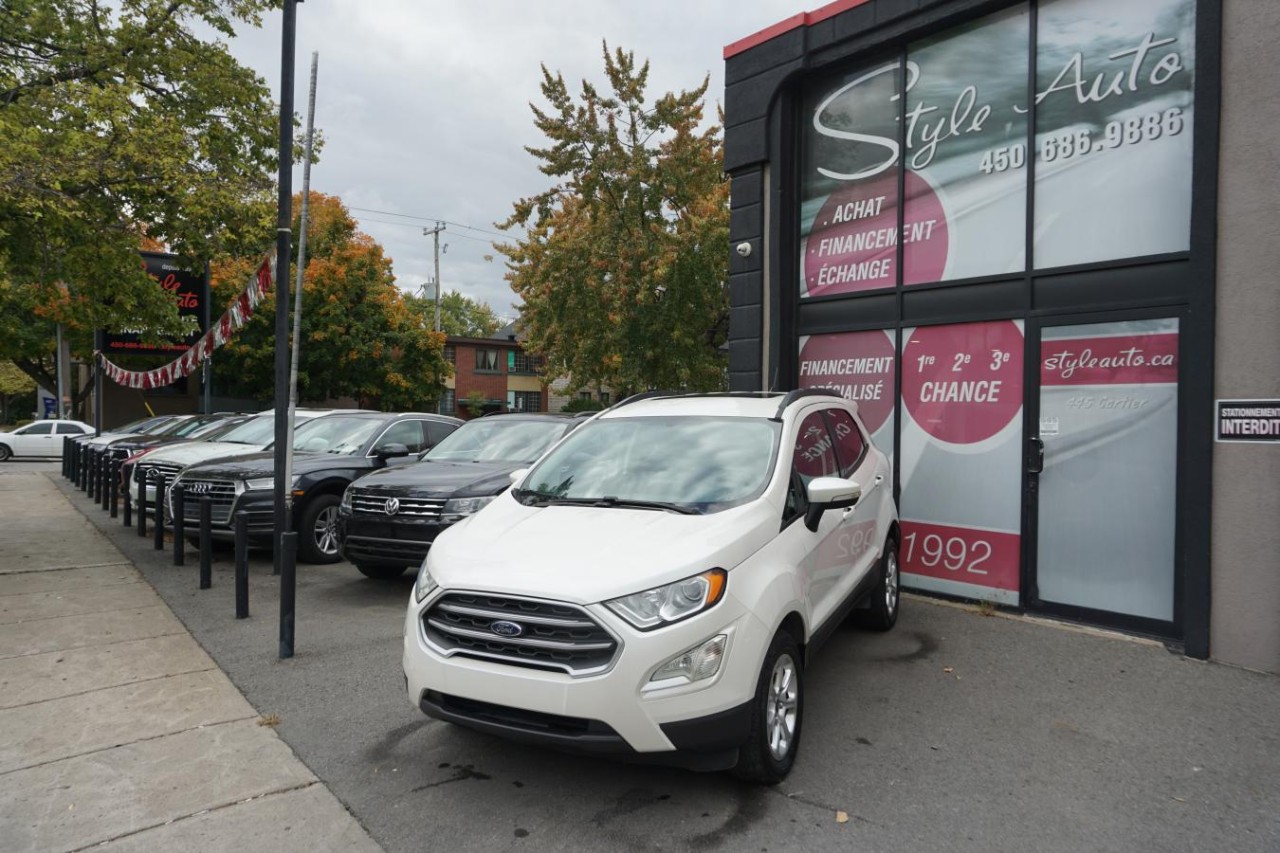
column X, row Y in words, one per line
column 197, row 488
column 392, row 506
column 506, row 629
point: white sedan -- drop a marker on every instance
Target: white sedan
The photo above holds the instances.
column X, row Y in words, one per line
column 41, row 438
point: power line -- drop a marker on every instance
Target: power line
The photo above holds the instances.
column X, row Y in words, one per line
column 430, row 219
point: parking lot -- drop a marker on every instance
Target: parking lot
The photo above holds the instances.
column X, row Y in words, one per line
column 959, row 730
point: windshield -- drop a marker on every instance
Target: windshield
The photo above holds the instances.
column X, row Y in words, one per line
column 497, row 440
column 259, row 430
column 214, row 430
column 334, row 434
column 699, row 463
column 155, row 426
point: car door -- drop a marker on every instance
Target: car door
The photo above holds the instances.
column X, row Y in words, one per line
column 409, row 433
column 34, row 440
column 859, row 534
column 63, row 430
column 821, row 561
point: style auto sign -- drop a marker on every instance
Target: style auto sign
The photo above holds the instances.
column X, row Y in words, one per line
column 186, row 288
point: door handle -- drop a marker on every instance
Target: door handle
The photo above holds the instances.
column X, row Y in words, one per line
column 1035, row 455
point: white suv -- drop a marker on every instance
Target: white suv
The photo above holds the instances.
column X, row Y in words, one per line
column 653, row 586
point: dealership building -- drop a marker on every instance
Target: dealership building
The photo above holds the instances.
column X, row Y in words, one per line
column 1037, row 243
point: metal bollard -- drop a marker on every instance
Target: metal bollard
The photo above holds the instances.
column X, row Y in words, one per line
column 179, row 525
column 104, row 483
column 288, row 564
column 142, row 501
column 66, row 442
column 91, row 476
column 162, row 488
column 128, row 504
column 113, row 487
column 206, row 542
column 84, row 469
column 242, row 565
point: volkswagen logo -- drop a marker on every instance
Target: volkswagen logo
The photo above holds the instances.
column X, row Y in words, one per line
column 506, row 629
column 392, row 506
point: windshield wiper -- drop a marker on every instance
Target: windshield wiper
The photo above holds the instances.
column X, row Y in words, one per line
column 531, row 498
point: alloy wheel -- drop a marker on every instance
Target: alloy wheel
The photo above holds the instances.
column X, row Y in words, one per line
column 781, row 707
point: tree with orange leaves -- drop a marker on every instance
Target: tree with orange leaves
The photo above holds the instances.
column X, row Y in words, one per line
column 360, row 339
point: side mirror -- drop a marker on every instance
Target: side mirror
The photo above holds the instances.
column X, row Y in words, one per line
column 826, row 493
column 391, row 451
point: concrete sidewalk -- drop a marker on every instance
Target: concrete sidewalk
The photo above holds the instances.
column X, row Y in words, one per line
column 116, row 728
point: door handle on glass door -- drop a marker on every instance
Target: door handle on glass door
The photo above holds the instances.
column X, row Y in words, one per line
column 1035, row 455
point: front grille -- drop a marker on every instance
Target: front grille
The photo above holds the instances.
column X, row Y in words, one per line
column 372, row 503
column 222, row 493
column 556, row 636
column 409, row 551
column 153, row 470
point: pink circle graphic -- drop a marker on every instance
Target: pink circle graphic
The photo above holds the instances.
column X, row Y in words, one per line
column 963, row 383
column 853, row 244
column 859, row 365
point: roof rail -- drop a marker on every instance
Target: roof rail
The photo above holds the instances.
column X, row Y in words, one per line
column 644, row 395
column 798, row 393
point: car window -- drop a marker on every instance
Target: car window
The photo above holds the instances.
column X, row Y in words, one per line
column 814, row 454
column 850, row 447
column 408, row 433
column 438, row 431
column 44, row 428
column 70, row 429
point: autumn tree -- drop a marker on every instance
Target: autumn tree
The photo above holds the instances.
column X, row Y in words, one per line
column 622, row 263
column 13, row 383
column 459, row 315
column 119, row 124
column 360, row 338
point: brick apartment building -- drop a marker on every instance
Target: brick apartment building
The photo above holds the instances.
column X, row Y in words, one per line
column 495, row 372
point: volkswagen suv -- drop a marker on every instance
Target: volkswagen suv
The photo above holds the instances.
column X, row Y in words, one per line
column 654, row 586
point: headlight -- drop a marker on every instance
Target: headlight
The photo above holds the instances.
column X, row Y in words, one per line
column 424, row 585
column 267, row 483
column 457, row 509
column 346, row 498
column 673, row 602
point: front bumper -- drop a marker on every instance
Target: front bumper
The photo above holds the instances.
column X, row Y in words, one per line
column 367, row 540
column 698, row 725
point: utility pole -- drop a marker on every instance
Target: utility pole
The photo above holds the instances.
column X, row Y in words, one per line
column 434, row 233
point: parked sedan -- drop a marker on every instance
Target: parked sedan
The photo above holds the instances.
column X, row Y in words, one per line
column 42, row 438
column 330, row 452
column 388, row 520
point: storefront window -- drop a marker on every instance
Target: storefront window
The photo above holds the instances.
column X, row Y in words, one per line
column 962, row 458
column 967, row 151
column 860, row 366
column 1113, row 129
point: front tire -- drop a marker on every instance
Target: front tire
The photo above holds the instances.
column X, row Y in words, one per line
column 5, row 453
column 776, row 715
column 318, row 531
column 381, row 573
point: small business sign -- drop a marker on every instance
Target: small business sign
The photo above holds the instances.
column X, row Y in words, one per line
column 1250, row 421
column 188, row 291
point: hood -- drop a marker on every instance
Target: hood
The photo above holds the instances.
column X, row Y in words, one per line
column 192, row 452
column 591, row 554
column 108, row 437
column 143, row 441
column 263, row 464
column 430, row 479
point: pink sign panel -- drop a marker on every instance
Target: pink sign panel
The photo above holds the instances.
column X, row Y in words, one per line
column 859, row 365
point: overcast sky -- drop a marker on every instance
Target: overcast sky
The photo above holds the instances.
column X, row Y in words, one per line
column 424, row 105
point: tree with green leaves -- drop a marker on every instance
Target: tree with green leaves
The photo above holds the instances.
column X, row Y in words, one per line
column 120, row 125
column 623, row 261
column 13, row 383
column 459, row 315
column 360, row 336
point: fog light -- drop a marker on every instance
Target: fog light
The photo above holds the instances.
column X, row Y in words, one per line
column 696, row 664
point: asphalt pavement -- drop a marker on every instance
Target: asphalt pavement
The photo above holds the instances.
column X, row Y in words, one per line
column 959, row 730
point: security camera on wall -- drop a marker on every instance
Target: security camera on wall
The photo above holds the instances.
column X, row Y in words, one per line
column 743, row 249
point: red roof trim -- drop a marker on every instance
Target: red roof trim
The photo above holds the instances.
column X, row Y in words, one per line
column 804, row 19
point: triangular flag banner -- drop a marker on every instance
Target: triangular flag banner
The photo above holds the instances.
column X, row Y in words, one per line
column 231, row 321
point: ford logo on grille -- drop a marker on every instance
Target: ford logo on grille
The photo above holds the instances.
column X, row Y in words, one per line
column 506, row 629
column 392, row 506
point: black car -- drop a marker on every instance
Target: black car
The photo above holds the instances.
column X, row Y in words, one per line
column 388, row 520
column 329, row 452
column 180, row 429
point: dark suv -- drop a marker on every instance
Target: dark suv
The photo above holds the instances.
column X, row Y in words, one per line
column 388, row 520
column 329, row 452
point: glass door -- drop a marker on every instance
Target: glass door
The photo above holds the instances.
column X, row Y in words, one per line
column 1102, row 472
